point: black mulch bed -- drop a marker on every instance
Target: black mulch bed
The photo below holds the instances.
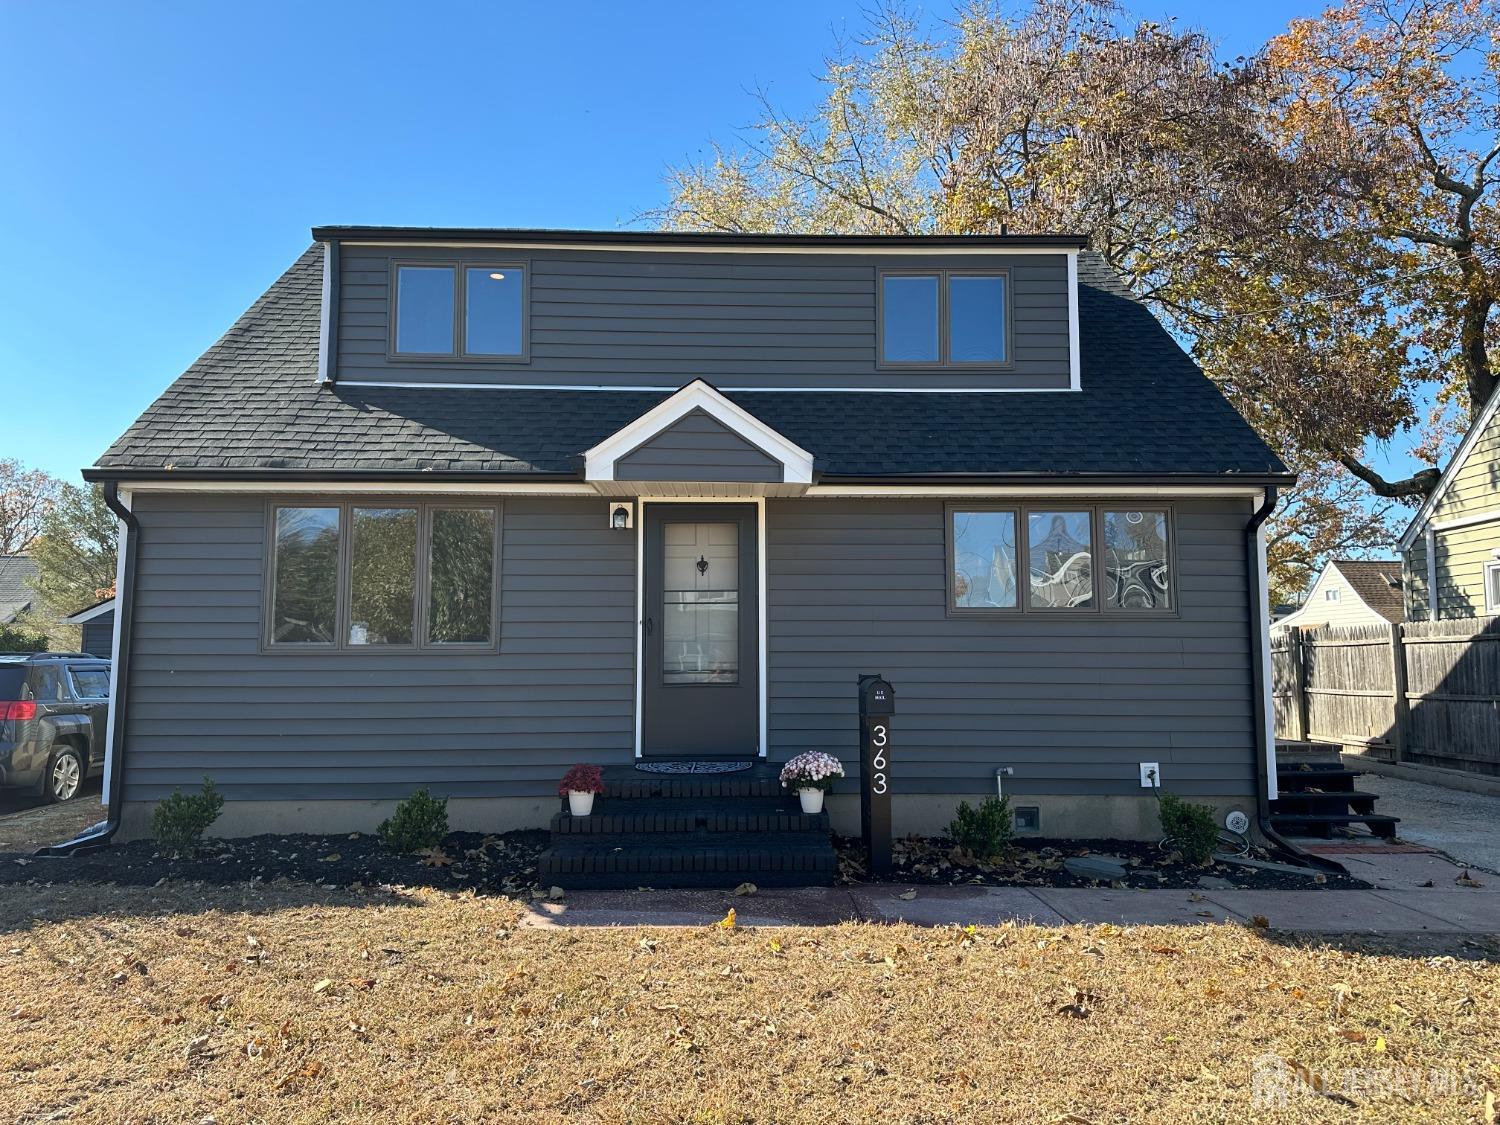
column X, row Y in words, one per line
column 501, row 864
column 1042, row 863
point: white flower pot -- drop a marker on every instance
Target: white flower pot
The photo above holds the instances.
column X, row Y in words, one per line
column 812, row 801
column 580, row 803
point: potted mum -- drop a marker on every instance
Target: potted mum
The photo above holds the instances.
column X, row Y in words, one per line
column 579, row 785
column 811, row 775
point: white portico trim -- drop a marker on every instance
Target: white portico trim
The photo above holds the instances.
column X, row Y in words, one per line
column 600, row 461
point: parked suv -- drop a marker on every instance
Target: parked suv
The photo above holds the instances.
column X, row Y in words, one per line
column 53, row 711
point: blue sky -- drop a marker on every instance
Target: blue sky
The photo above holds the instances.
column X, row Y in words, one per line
column 164, row 161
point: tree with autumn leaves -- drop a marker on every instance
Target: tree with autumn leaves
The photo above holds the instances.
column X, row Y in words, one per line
column 1315, row 222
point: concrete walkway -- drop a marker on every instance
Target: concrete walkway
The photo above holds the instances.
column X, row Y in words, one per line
column 1458, row 823
column 1415, row 892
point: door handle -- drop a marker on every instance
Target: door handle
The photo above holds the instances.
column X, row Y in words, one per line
column 648, row 626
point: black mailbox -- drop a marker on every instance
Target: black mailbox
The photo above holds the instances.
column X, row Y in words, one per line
column 877, row 703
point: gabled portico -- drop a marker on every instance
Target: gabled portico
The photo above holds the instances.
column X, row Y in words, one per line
column 697, row 442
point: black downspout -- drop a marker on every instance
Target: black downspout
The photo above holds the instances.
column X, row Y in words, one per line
column 98, row 835
column 1263, row 737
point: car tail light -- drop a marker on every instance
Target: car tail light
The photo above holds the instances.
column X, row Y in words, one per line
column 17, row 710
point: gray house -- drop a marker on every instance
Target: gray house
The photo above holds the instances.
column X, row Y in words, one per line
column 461, row 508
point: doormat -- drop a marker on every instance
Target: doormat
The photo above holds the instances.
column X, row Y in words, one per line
column 692, row 767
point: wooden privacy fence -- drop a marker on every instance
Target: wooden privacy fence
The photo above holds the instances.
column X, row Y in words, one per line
column 1422, row 691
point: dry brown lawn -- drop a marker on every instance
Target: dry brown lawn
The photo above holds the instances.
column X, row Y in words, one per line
column 182, row 1004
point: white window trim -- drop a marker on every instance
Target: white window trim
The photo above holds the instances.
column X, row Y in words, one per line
column 599, row 462
column 1492, row 586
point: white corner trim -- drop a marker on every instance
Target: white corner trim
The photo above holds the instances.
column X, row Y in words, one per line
column 1075, row 357
column 599, row 462
column 122, row 537
column 1455, row 463
column 87, row 615
column 325, row 318
column 1432, row 590
column 1267, row 702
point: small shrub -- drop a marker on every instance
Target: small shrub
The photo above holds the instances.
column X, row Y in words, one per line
column 581, row 779
column 985, row 831
column 178, row 823
column 1191, row 829
column 420, row 821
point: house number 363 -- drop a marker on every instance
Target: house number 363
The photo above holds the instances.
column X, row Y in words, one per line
column 879, row 737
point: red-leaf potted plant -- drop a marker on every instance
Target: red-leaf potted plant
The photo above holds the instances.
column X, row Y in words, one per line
column 579, row 785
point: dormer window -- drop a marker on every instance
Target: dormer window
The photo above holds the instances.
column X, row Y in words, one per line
column 944, row 318
column 459, row 311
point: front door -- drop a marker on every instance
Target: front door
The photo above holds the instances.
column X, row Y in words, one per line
column 701, row 669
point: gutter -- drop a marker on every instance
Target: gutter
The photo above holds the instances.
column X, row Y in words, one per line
column 1260, row 663
column 99, row 835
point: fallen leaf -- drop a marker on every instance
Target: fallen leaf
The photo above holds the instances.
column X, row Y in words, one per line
column 1166, row 950
column 332, row 858
column 435, row 857
column 1077, row 1011
column 1379, row 1047
column 729, row 921
column 1260, row 922
column 1354, row 1035
column 1489, row 1107
column 907, row 896
column 1466, row 880
column 745, row 889
column 774, row 945
column 323, row 985
column 361, row 982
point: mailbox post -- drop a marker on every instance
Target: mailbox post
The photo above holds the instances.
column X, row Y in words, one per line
column 877, row 703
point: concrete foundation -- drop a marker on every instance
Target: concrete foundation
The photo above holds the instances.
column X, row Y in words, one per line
column 1062, row 816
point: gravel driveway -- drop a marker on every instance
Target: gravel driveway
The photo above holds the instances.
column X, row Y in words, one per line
column 28, row 823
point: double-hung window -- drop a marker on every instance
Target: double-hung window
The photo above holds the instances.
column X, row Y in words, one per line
column 459, row 310
column 380, row 576
column 945, row 318
column 1492, row 587
column 1050, row 558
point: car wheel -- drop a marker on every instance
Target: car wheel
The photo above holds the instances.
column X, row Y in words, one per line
column 64, row 775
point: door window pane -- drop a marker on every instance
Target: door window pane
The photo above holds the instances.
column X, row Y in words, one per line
column 492, row 310
column 305, row 576
column 984, row 560
column 424, row 310
column 976, row 319
column 701, row 603
column 382, row 576
column 1061, row 560
column 909, row 314
column 1136, row 560
column 461, row 582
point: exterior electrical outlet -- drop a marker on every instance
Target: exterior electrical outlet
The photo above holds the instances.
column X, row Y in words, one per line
column 1150, row 775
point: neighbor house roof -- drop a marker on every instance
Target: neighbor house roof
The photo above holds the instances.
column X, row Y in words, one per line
column 16, row 595
column 253, row 402
column 1378, row 584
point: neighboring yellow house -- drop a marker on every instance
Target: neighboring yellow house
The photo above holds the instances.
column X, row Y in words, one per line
column 1349, row 592
column 1451, row 551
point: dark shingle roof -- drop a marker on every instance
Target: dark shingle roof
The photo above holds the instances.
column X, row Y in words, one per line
column 252, row 402
column 16, row 594
column 1378, row 584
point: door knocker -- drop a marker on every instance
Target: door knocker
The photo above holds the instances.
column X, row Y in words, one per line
column 702, row 565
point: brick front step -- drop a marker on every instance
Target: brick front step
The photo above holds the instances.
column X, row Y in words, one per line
column 789, row 859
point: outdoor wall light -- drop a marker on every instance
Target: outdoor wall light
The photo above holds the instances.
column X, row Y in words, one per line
column 621, row 517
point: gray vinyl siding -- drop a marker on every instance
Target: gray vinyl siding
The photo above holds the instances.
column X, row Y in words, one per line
column 615, row 318
column 98, row 635
column 1071, row 703
column 698, row 447
column 268, row 726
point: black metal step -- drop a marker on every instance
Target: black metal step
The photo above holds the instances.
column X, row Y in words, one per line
column 625, row 783
column 674, row 815
column 1323, row 824
column 724, row 860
